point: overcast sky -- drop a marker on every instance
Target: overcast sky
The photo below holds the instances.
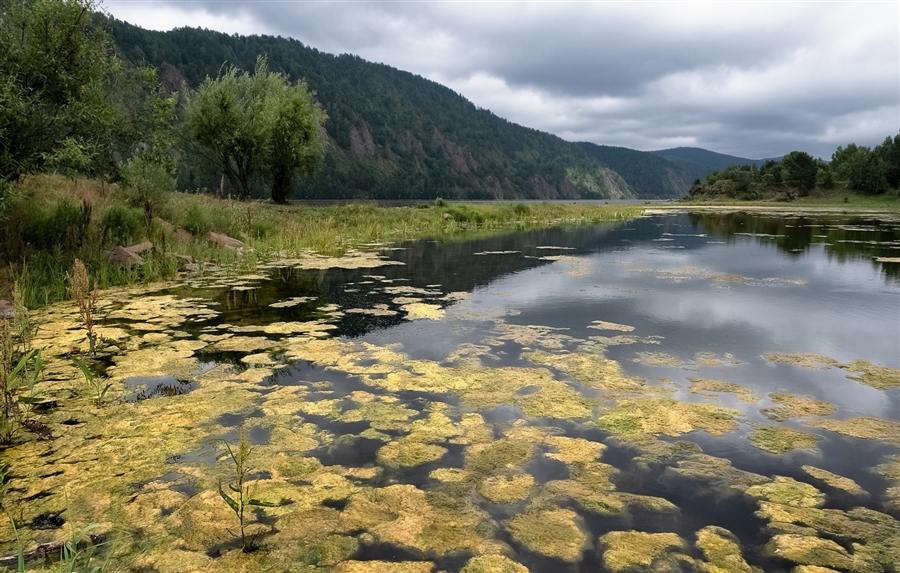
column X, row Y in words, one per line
column 753, row 79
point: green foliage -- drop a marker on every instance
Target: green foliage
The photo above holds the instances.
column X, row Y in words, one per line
column 121, row 225
column 77, row 552
column 56, row 70
column 240, row 498
column 801, row 171
column 65, row 226
column 147, row 184
column 258, row 126
column 98, row 384
column 19, row 372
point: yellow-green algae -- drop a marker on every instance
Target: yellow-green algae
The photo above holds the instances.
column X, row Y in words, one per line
column 781, row 439
column 604, row 325
column 506, row 488
column 789, row 406
column 493, row 564
column 592, row 488
column 429, row 522
column 657, row 359
column 667, row 416
column 717, row 472
column 553, row 532
column 626, row 550
column 862, row 427
column 879, row 377
column 834, row 480
column 705, row 387
column 891, row 471
column 593, row 371
column 384, row 567
column 803, row 360
column 722, row 551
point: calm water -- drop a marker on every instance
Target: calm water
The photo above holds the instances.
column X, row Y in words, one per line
column 734, row 286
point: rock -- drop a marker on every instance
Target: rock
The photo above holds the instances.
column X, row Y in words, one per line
column 123, row 257
column 183, row 235
column 225, row 241
column 6, row 309
column 128, row 256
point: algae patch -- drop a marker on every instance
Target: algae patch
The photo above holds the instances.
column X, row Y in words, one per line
column 553, row 532
column 625, row 550
column 780, row 440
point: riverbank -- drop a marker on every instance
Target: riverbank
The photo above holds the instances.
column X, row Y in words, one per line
column 49, row 221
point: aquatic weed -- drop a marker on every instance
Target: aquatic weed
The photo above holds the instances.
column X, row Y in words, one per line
column 85, row 298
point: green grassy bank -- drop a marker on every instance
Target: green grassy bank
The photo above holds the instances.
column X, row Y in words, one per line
column 49, row 221
column 836, row 198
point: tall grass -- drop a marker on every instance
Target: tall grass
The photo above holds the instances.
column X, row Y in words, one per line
column 51, row 221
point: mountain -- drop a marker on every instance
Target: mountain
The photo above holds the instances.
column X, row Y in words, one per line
column 648, row 174
column 392, row 134
column 697, row 163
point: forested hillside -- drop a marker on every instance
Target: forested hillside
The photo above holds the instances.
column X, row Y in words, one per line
column 392, row 134
column 697, row 163
column 648, row 175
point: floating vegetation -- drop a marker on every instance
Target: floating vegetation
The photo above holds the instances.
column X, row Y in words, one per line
column 789, row 406
column 506, row 488
column 834, row 480
column 780, row 439
column 553, row 532
column 722, row 551
column 667, row 416
column 632, row 550
column 805, row 360
column 873, row 375
column 493, row 564
column 420, row 310
column 863, row 427
column 469, row 455
column 603, row 325
column 657, row 359
column 705, row 387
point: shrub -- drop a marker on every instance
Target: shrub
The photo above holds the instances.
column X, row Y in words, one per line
column 121, row 225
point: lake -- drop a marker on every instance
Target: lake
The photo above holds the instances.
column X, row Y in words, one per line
column 688, row 391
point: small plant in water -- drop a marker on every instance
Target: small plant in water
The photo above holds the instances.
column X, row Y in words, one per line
column 18, row 375
column 240, row 499
column 85, row 298
column 99, row 385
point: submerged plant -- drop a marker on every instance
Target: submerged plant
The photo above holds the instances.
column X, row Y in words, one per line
column 85, row 298
column 99, row 385
column 241, row 498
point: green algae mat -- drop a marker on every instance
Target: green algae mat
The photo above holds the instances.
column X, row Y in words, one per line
column 684, row 392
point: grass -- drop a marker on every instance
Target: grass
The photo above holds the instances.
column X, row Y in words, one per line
column 49, row 221
column 832, row 198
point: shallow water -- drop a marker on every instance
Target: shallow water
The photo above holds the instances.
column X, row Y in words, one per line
column 503, row 378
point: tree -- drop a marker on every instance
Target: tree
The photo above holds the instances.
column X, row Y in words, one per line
column 801, row 170
column 56, row 72
column 888, row 154
column 256, row 127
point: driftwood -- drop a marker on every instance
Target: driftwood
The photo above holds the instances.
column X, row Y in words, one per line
column 48, row 551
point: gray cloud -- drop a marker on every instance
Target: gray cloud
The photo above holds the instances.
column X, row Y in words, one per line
column 750, row 79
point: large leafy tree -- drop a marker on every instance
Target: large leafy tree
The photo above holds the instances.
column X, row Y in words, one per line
column 57, row 71
column 258, row 127
column 801, row 170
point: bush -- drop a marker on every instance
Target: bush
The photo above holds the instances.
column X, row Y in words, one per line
column 196, row 220
column 121, row 225
column 65, row 226
column 147, row 185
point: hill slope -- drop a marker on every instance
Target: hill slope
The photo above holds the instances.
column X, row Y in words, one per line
column 393, row 135
column 648, row 174
column 697, row 163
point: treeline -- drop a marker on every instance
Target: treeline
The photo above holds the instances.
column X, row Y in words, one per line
column 855, row 167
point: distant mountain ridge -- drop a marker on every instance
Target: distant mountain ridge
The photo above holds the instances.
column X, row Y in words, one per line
column 697, row 163
column 395, row 135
